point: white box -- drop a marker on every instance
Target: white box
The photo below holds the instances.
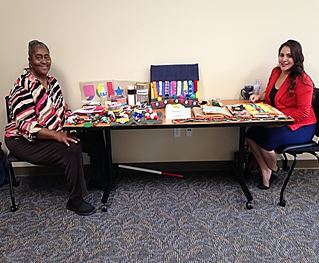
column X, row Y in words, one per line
column 177, row 111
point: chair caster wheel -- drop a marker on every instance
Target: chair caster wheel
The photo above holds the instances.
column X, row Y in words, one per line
column 14, row 208
column 249, row 205
column 16, row 184
column 104, row 208
column 282, row 203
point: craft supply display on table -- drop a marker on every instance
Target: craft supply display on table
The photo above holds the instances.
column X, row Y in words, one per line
column 115, row 114
column 172, row 94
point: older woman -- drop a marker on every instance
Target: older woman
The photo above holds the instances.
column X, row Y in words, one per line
column 290, row 90
column 35, row 134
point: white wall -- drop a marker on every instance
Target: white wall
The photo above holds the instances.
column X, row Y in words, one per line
column 235, row 42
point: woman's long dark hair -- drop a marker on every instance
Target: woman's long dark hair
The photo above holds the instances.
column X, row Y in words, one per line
column 296, row 53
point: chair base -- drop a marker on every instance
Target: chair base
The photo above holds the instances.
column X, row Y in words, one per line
column 14, row 208
column 104, row 208
column 282, row 203
column 249, row 205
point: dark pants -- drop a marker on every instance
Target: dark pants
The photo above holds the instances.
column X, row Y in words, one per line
column 53, row 153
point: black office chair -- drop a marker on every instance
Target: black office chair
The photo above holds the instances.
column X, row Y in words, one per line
column 11, row 158
column 311, row 147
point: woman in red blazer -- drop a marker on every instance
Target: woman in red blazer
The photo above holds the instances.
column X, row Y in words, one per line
column 290, row 90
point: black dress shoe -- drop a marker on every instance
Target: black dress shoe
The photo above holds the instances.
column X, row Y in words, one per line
column 263, row 187
column 272, row 178
column 79, row 206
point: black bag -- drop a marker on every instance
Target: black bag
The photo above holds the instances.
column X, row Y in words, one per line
column 3, row 168
column 251, row 166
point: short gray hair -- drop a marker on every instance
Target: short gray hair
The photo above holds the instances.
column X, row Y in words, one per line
column 33, row 44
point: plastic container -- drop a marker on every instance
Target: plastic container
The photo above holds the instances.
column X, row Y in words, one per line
column 131, row 95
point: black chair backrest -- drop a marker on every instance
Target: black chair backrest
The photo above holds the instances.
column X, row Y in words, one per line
column 315, row 105
column 7, row 109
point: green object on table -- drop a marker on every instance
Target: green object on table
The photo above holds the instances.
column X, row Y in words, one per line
column 87, row 124
column 215, row 103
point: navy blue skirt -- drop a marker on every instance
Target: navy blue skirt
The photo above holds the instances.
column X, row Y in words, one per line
column 270, row 138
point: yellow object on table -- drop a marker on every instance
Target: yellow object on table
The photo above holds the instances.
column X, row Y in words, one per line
column 261, row 109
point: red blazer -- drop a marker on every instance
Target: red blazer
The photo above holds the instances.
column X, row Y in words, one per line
column 297, row 103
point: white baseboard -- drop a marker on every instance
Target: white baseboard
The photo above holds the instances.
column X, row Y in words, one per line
column 23, row 168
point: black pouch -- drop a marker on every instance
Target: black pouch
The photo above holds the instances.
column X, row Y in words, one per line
column 4, row 178
column 94, row 145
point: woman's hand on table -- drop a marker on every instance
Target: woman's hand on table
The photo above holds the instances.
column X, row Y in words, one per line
column 254, row 98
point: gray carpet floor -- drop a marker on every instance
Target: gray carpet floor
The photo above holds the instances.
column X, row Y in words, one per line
column 151, row 218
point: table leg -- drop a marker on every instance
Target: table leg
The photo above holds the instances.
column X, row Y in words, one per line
column 240, row 171
column 110, row 176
